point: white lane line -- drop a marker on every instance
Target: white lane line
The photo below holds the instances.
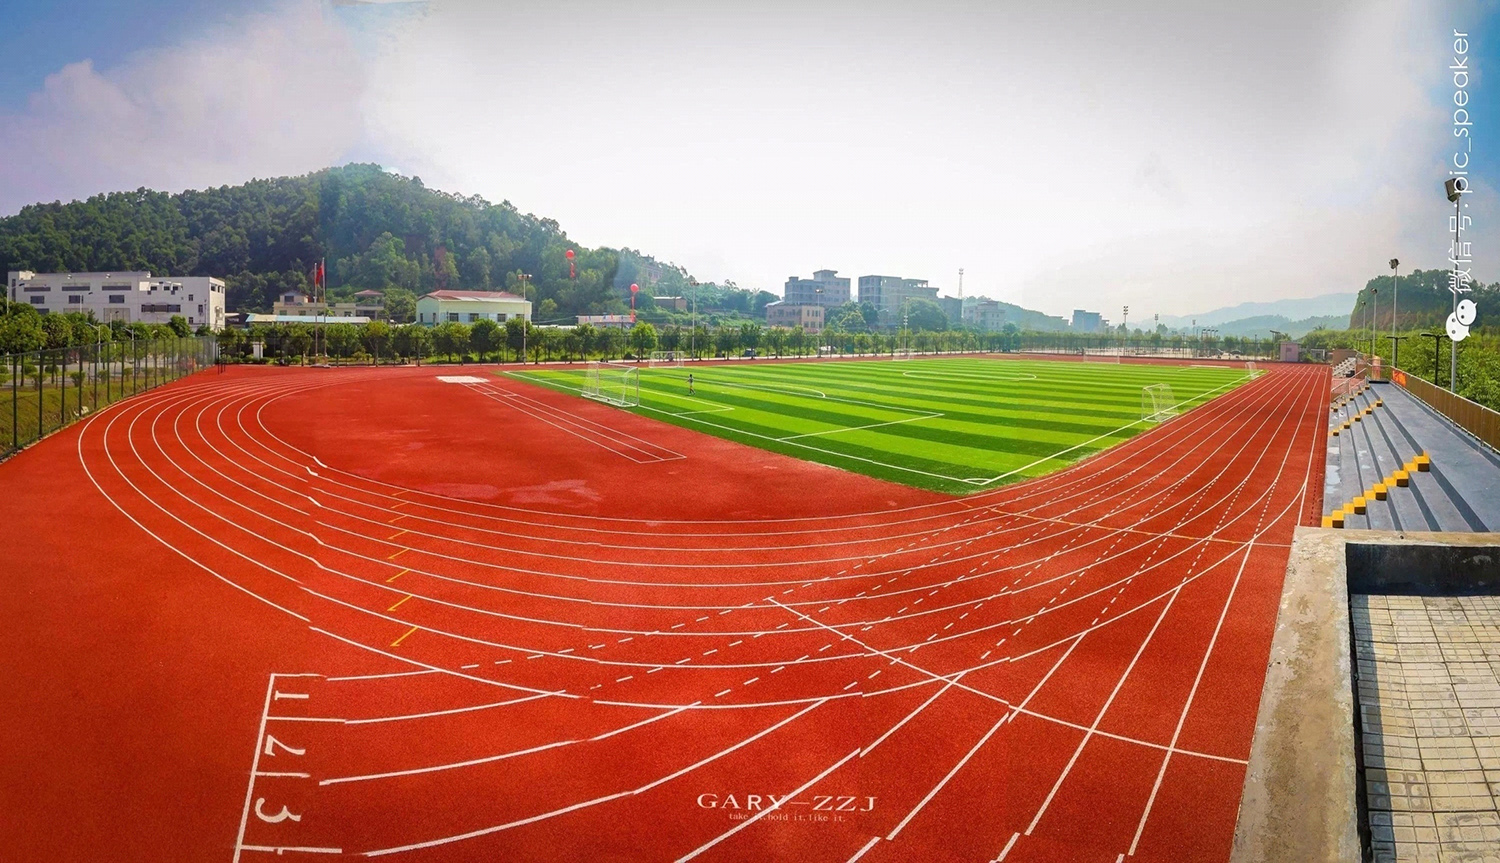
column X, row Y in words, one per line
column 260, row 737
column 861, row 852
column 449, row 712
column 646, row 721
column 891, row 837
column 485, row 831
column 1099, row 717
column 453, row 766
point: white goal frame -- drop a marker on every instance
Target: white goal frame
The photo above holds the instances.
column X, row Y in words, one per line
column 666, row 359
column 1157, row 403
column 901, row 353
column 1250, row 367
column 618, row 384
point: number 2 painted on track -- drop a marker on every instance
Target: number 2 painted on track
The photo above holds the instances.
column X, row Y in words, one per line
column 272, row 742
column 283, row 815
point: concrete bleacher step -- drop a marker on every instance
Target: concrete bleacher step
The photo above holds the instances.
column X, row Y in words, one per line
column 1374, row 457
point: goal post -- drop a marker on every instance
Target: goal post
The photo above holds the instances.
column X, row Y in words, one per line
column 1158, row 403
column 1250, row 367
column 901, row 353
column 613, row 383
column 666, row 359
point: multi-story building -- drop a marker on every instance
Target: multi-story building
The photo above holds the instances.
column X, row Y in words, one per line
column 953, row 308
column 295, row 304
column 1087, row 322
column 887, row 293
column 133, row 297
column 986, row 314
column 466, row 307
column 788, row 315
column 825, row 288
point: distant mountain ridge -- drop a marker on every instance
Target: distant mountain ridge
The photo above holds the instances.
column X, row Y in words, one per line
column 1290, row 310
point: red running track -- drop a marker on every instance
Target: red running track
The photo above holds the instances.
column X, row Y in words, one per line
column 312, row 613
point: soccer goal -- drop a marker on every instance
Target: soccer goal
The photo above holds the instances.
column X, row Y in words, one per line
column 615, row 383
column 666, row 359
column 1157, row 403
column 901, row 354
column 1250, row 367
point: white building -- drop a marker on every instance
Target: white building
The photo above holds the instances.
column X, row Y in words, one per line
column 466, row 307
column 133, row 297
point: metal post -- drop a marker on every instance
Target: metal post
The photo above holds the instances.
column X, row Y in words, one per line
column 15, row 403
column 1458, row 224
column 40, row 366
column 1374, row 319
column 1395, row 296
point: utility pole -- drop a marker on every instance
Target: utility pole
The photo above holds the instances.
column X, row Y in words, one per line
column 1455, row 187
column 693, row 334
column 525, row 280
column 1396, row 350
column 1437, row 343
column 1395, row 295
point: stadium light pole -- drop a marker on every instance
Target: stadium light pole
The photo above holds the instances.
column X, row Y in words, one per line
column 1124, row 330
column 693, row 333
column 1395, row 295
column 1374, row 318
column 525, row 280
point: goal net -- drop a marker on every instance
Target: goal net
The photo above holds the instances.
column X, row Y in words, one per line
column 901, row 354
column 665, row 359
column 1250, row 367
column 1157, row 403
column 614, row 383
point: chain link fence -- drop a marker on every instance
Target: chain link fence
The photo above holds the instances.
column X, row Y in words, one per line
column 43, row 391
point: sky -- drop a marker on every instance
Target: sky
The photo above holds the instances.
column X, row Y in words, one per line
column 1161, row 155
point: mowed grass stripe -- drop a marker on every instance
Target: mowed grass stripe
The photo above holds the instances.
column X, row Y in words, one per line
column 1024, row 410
column 1061, row 396
column 996, row 416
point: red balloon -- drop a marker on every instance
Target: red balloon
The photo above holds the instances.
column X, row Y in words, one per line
column 634, row 288
column 569, row 254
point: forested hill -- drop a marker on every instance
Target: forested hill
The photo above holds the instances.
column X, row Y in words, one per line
column 1422, row 300
column 376, row 230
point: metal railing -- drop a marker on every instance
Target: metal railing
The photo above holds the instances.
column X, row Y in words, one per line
column 44, row 391
column 1472, row 417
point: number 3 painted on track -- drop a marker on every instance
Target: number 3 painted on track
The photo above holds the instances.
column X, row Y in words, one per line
column 283, row 815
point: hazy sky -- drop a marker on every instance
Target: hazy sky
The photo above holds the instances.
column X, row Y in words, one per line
column 1164, row 155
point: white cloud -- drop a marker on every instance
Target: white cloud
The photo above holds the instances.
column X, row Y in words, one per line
column 269, row 94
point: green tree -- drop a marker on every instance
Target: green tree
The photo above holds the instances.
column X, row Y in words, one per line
column 476, row 269
column 486, row 336
column 642, row 339
column 750, row 335
column 925, row 315
column 516, row 335
column 400, row 305
column 451, row 338
column 180, row 326
column 342, row 340
column 412, row 341
column 377, row 338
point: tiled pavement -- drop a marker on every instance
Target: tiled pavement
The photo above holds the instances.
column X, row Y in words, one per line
column 1429, row 700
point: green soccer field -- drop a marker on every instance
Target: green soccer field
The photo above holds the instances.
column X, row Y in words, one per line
column 956, row 425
